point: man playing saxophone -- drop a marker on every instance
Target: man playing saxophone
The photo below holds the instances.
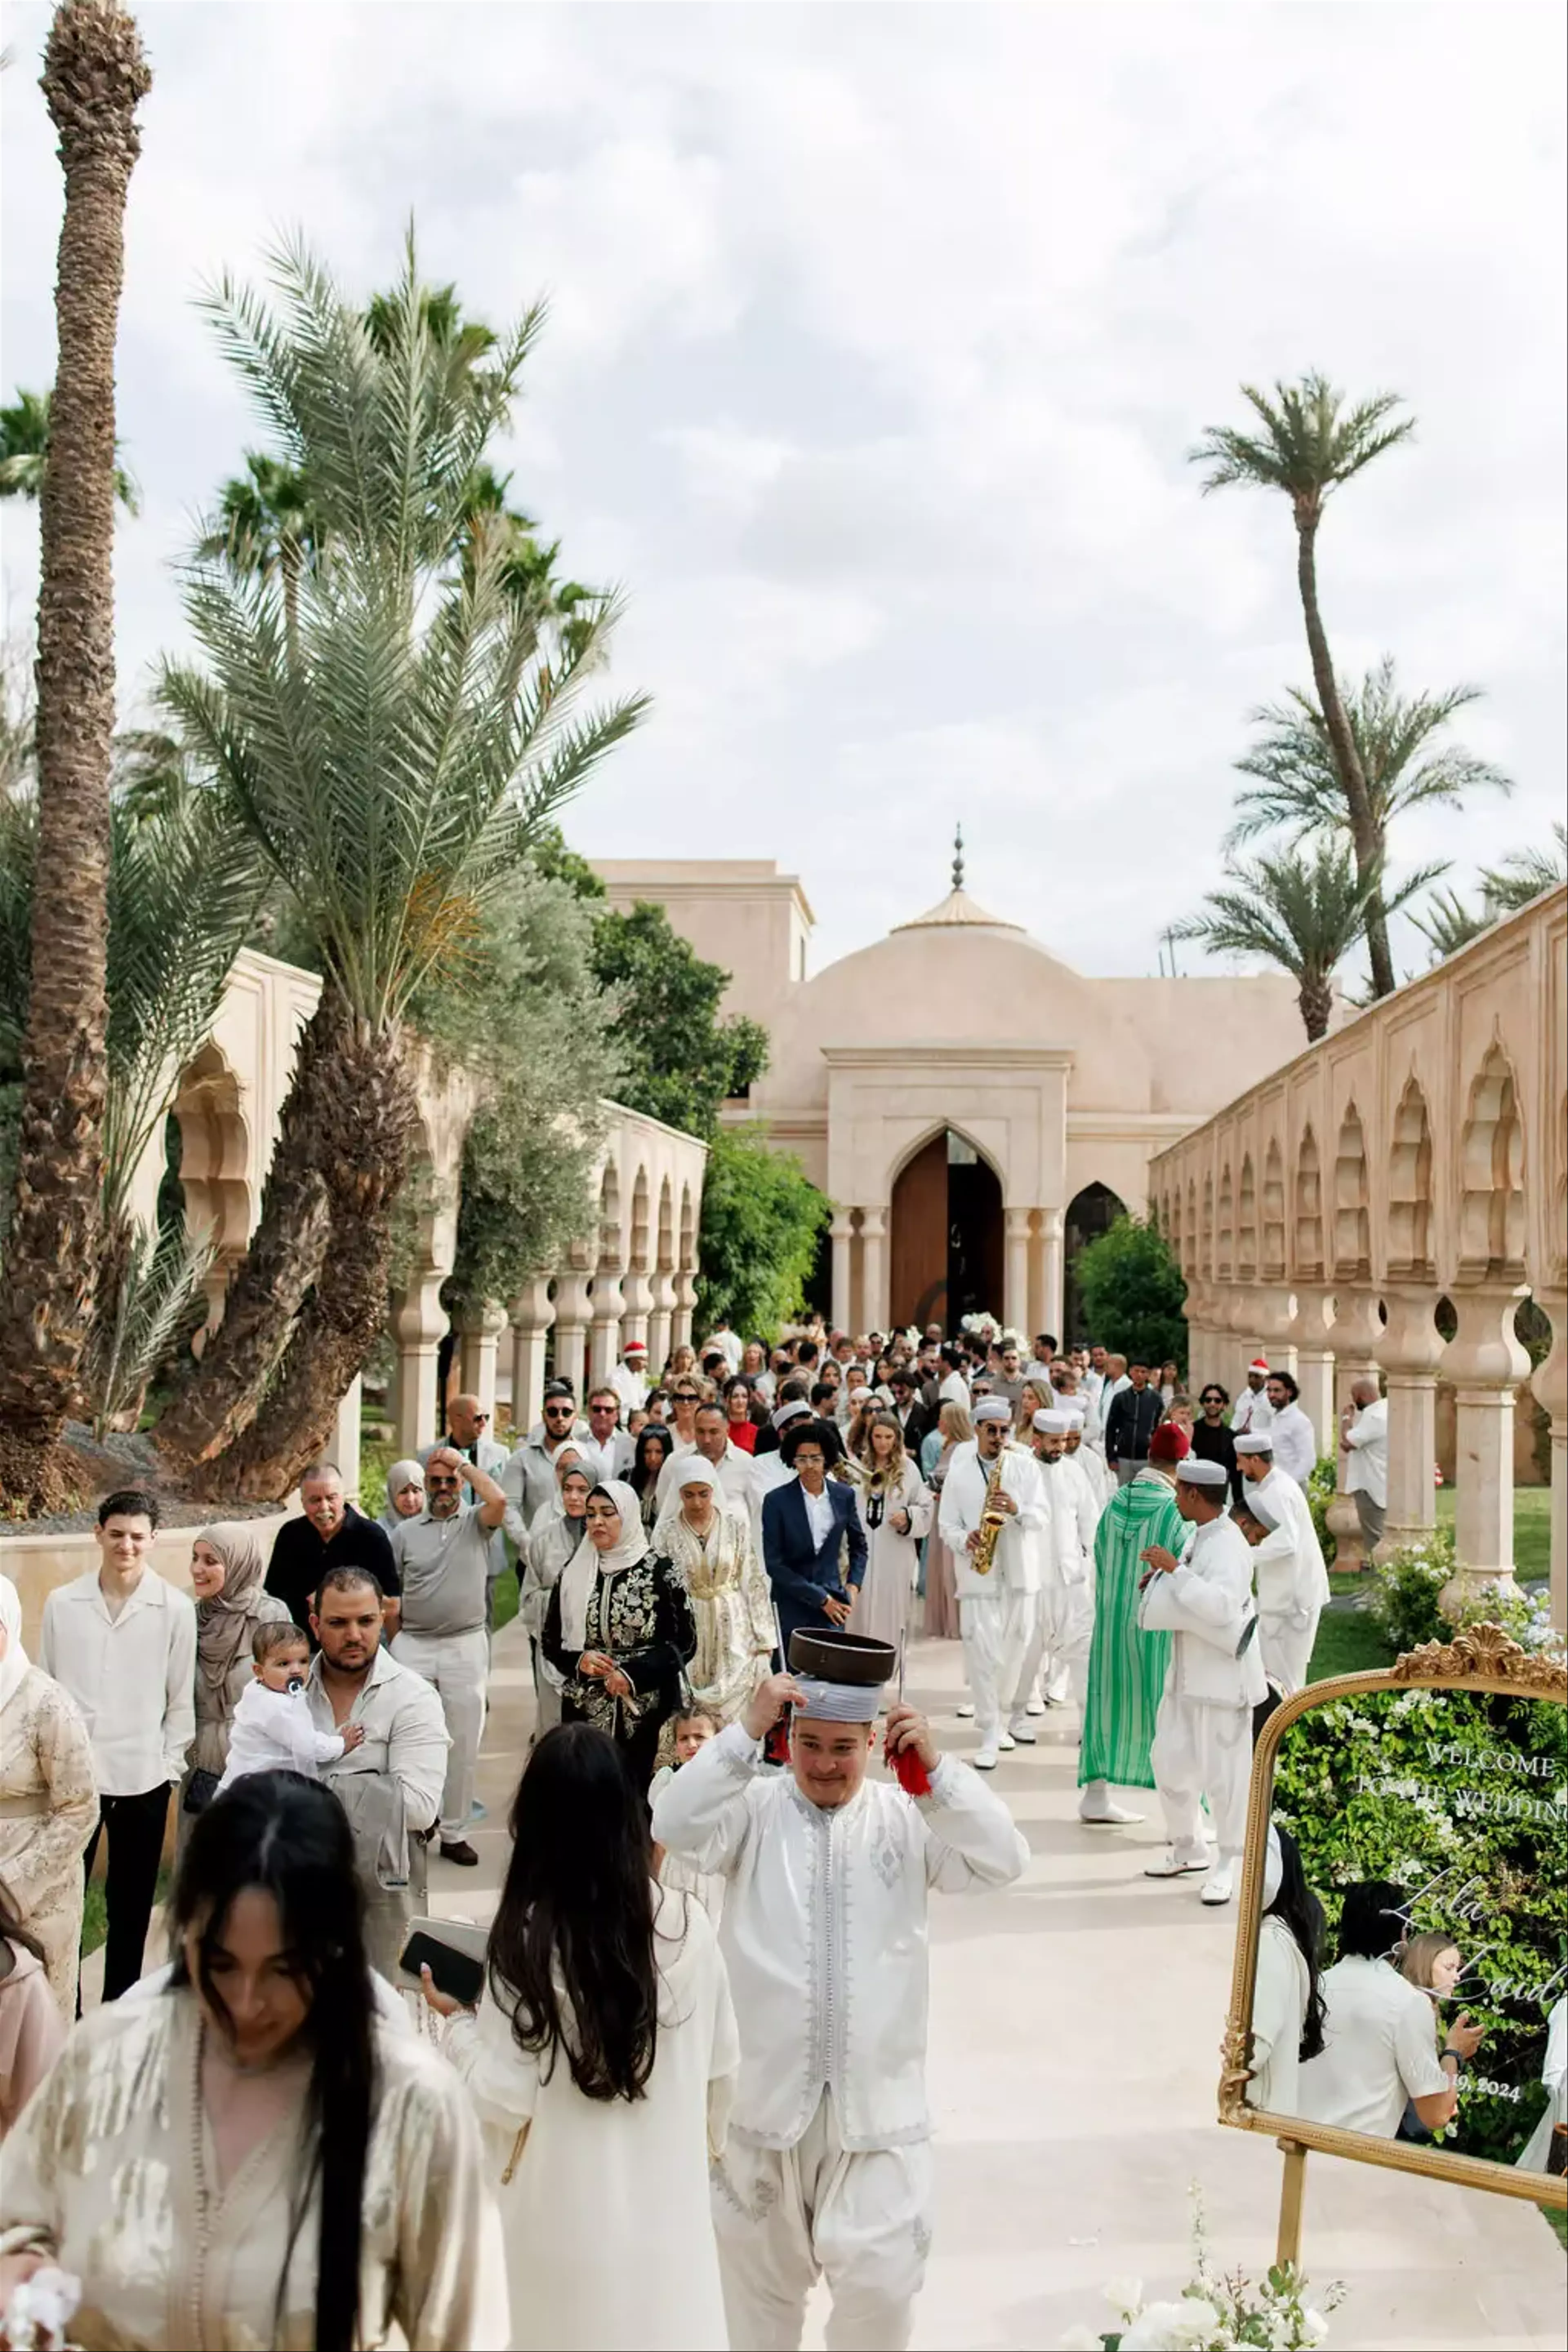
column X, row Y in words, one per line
column 992, row 1509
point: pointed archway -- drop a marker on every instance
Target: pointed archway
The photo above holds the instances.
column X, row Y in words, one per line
column 946, row 1254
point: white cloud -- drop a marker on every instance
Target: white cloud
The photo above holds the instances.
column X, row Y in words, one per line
column 877, row 338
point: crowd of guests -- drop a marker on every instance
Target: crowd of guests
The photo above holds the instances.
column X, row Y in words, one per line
column 1068, row 1515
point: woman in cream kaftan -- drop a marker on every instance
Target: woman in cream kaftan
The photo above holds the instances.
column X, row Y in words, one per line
column 896, row 1510
column 604, row 2202
column 112, row 2173
column 48, row 1803
column 709, row 1544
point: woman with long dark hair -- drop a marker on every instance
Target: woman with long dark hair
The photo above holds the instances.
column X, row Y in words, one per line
column 1288, row 1997
column 601, row 2060
column 654, row 1444
column 619, row 1631
column 303, row 2177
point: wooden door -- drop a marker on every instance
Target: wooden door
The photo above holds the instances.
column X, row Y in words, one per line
column 917, row 1253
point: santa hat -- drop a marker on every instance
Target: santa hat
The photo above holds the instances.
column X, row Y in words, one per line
column 1258, row 1364
column 1169, row 1444
column 634, row 1347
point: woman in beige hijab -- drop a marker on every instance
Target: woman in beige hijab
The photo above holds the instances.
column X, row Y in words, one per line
column 227, row 1568
column 48, row 1803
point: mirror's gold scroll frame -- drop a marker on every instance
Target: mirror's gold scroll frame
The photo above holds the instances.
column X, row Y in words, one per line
column 1481, row 1658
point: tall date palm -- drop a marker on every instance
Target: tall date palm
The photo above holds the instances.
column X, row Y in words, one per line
column 1311, row 444
column 392, row 755
column 1305, row 912
column 94, row 78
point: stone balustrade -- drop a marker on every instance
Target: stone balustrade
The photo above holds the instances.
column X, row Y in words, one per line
column 1384, row 1203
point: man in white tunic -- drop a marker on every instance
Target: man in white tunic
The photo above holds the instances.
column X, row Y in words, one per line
column 1252, row 1409
column 1295, row 1440
column 1203, row 1737
column 996, row 1608
column 1064, row 1613
column 828, row 2167
column 1364, row 1444
column 1292, row 1581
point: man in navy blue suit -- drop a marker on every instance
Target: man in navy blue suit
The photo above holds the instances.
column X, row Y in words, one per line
column 804, row 1524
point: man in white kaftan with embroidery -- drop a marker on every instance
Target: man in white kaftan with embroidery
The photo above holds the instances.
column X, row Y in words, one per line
column 1064, row 1613
column 996, row 1608
column 1203, row 1735
column 829, row 2166
column 1292, row 1580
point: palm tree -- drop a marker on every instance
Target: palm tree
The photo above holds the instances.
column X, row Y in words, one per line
column 392, row 766
column 1311, row 444
column 1526, row 873
column 1305, row 913
column 25, row 447
column 94, row 77
column 1448, row 925
column 265, row 528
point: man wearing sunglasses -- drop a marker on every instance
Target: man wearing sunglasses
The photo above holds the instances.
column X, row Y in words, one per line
column 529, row 1480
column 467, row 1423
column 443, row 1560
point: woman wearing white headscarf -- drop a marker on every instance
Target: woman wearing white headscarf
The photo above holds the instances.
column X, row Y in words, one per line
column 551, row 1546
column 619, row 1629
column 405, row 1493
column 48, row 1803
column 711, row 1543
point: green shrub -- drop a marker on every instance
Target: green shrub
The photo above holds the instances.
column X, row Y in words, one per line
column 1402, row 1603
column 1322, row 1482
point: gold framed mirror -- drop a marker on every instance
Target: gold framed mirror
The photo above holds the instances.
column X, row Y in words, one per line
column 1427, row 1807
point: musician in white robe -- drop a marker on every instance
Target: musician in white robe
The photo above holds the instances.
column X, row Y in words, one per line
column 1292, row 1578
column 995, row 1608
column 1064, row 1613
column 828, row 2167
column 1089, row 1465
column 1203, row 1735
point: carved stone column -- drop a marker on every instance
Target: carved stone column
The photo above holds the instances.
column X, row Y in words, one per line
column 1550, row 1385
column 685, row 1305
column 532, row 1317
column 1486, row 1364
column 1052, row 1229
column 1016, row 1278
column 418, row 1326
column 479, row 1330
column 608, row 1307
column 1311, row 1334
column 840, row 1233
column 345, row 1447
column 637, row 1294
column 661, row 1315
column 571, row 1328
column 1275, row 1316
column 1409, row 1350
column 874, row 1268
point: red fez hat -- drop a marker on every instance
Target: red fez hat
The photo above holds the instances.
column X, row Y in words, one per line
column 1169, row 1444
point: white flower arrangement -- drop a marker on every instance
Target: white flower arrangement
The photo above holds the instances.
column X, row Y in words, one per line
column 1215, row 2311
column 980, row 1327
column 38, row 2315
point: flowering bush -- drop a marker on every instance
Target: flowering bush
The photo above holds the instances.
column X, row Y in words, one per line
column 1215, row 2312
column 1404, row 1601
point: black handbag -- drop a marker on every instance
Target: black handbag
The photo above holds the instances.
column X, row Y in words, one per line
column 200, row 1790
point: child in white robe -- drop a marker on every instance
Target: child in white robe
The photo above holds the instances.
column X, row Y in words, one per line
column 692, row 1730
column 272, row 1730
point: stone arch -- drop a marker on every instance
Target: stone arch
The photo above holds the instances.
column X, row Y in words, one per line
column 1247, row 1223
column 1353, row 1215
column 215, row 1164
column 1410, row 1189
column 1273, row 1258
column 1309, row 1207
column 1196, row 1265
column 1206, row 1229
column 944, row 1130
column 610, row 1218
column 1491, row 1174
column 688, row 1258
column 944, row 1234
column 1092, row 1210
column 665, row 1242
column 1224, row 1260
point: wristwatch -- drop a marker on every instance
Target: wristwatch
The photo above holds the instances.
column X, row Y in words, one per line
column 1447, row 2051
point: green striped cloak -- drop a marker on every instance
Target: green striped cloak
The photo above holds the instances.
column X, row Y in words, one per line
column 1126, row 1667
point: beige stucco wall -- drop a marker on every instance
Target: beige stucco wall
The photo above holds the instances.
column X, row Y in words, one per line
column 37, row 1564
column 756, row 925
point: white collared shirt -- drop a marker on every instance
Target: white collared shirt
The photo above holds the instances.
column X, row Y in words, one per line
column 818, row 1513
column 1366, row 1471
column 133, row 1676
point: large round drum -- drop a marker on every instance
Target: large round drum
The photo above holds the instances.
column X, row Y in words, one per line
column 831, row 1656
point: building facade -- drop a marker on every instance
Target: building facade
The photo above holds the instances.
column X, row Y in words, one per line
column 973, row 1107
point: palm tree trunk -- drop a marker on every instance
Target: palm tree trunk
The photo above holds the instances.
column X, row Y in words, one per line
column 284, row 1256
column 1347, row 759
column 1316, row 998
column 94, row 76
column 366, row 1161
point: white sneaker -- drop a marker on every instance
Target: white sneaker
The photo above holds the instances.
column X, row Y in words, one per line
column 1036, row 1706
column 1004, row 1740
column 1105, row 1808
column 1220, row 1883
column 1022, row 1730
column 985, row 1760
column 1175, row 1864
column 965, row 1711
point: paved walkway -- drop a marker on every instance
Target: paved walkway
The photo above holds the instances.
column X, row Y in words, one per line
column 1075, row 2035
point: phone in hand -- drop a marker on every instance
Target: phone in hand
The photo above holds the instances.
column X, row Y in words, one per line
column 457, row 1974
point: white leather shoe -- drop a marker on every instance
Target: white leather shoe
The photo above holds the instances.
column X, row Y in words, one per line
column 1004, row 1740
column 1021, row 1730
column 1220, row 1883
column 1173, row 1864
column 1107, row 1811
column 1037, row 1706
column 985, row 1760
column 965, row 1711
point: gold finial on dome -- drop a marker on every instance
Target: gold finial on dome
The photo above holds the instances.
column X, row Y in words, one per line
column 958, row 910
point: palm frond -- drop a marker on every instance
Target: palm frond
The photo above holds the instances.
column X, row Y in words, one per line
column 1525, row 873
column 1310, row 441
column 1448, row 924
column 138, row 1317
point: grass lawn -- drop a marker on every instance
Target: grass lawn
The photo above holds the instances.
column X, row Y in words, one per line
column 94, row 1926
column 1532, row 1530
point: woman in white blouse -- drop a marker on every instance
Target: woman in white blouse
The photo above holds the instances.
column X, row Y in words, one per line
column 896, row 1508
column 1379, row 2050
column 1286, row 1997
column 601, row 2061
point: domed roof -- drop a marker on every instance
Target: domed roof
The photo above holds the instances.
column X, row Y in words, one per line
column 958, row 910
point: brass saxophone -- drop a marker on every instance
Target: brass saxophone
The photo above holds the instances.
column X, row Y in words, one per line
column 991, row 1521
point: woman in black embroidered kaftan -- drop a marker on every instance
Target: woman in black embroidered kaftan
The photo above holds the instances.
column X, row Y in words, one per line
column 618, row 1630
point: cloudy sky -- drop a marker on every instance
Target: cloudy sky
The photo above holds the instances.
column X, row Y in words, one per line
column 877, row 338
